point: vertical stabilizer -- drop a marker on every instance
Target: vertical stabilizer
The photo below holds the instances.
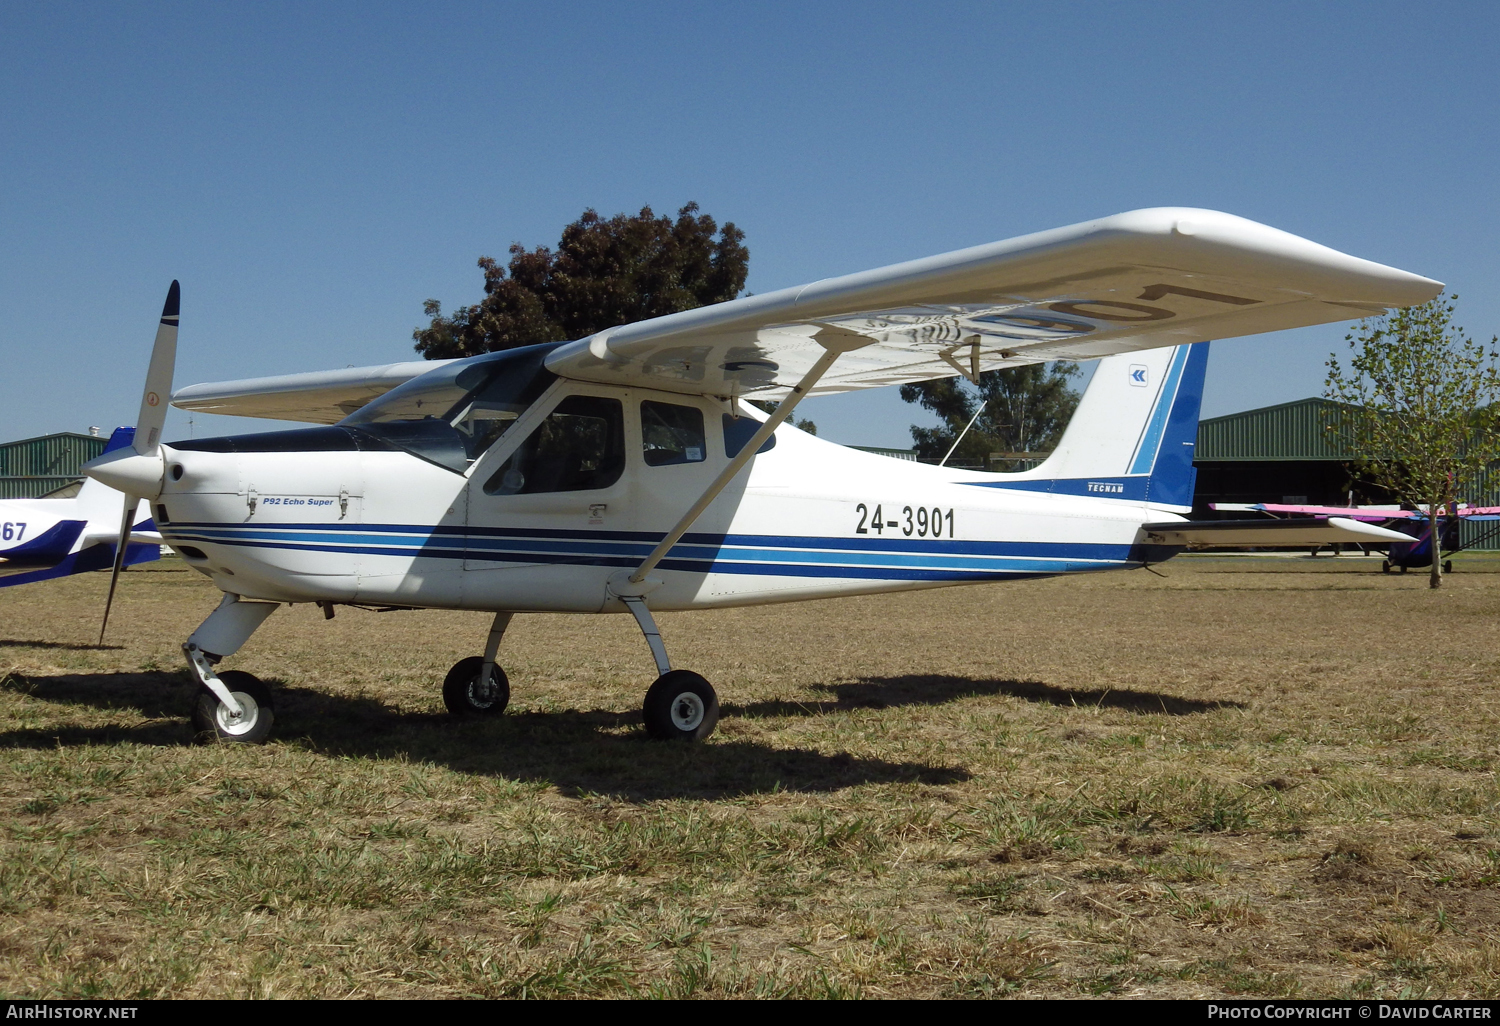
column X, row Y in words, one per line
column 1133, row 434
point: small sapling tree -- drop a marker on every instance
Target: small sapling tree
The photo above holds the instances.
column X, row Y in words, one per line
column 1419, row 407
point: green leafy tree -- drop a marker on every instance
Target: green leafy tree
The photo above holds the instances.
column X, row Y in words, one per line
column 1419, row 406
column 1025, row 410
column 603, row 273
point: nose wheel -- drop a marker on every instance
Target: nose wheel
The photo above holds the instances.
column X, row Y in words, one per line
column 680, row 706
column 467, row 692
column 214, row 721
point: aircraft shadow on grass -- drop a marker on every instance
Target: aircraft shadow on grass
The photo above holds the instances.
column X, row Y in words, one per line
column 936, row 689
column 573, row 750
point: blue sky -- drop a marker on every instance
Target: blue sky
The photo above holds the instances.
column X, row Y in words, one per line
column 313, row 171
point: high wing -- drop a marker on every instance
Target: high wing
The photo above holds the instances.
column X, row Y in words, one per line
column 319, row 397
column 1138, row 280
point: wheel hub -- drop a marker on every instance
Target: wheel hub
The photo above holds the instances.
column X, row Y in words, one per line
column 687, row 711
column 482, row 692
column 237, row 724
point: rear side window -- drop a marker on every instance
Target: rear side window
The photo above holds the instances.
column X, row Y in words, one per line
column 578, row 448
column 738, row 430
column 671, row 434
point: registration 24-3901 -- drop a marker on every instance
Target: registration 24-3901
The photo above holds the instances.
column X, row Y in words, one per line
column 921, row 521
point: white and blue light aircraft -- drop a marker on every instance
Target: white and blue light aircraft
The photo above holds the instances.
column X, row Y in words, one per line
column 46, row 538
column 625, row 472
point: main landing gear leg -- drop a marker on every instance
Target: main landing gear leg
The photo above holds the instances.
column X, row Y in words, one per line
column 680, row 705
column 229, row 706
column 476, row 686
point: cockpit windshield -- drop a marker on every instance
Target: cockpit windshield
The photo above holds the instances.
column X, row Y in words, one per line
column 452, row 414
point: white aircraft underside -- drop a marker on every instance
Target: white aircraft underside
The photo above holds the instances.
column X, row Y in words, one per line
column 624, row 472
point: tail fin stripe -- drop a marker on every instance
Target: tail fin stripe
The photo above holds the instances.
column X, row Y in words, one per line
column 1145, row 454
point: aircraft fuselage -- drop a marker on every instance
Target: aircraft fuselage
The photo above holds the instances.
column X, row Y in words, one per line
column 325, row 518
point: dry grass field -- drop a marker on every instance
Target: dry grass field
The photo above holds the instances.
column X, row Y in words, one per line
column 1255, row 777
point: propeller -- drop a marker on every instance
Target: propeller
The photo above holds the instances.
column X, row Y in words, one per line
column 134, row 475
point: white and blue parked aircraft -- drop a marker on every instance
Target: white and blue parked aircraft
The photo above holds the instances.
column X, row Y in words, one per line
column 625, row 473
column 42, row 539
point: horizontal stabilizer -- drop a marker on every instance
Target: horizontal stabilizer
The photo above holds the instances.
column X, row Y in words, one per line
column 1239, row 533
column 1465, row 512
column 1353, row 512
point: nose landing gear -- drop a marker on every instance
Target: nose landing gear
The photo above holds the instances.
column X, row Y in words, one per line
column 233, row 705
column 213, row 720
column 477, row 686
column 468, row 691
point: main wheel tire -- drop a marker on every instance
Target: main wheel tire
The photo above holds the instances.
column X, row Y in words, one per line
column 1447, row 566
column 213, row 722
column 465, row 695
column 680, row 706
column 1385, row 567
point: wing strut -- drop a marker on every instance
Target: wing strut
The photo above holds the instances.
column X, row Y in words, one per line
column 749, row 449
column 944, row 461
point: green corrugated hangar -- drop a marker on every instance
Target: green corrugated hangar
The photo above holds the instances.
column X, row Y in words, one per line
column 1276, row 454
column 34, row 467
column 1285, row 454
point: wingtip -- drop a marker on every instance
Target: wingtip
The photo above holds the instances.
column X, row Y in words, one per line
column 173, row 306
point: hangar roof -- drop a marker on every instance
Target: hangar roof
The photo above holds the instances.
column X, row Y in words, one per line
column 1289, row 431
column 32, row 467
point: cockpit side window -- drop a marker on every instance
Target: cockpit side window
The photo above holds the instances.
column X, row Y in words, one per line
column 671, row 434
column 452, row 414
column 579, row 447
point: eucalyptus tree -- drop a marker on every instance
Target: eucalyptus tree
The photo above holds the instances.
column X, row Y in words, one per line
column 1018, row 409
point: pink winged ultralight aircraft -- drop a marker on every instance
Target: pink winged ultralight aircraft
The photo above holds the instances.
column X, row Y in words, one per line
column 1413, row 555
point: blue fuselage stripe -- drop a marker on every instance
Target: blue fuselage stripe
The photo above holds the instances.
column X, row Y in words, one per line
column 890, row 558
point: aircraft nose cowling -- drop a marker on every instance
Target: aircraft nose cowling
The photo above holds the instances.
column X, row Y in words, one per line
column 128, row 472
